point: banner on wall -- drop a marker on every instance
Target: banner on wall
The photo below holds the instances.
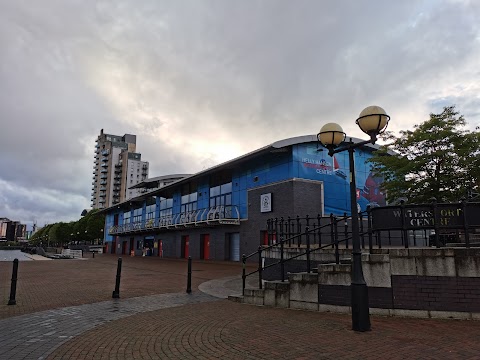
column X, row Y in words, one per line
column 318, row 165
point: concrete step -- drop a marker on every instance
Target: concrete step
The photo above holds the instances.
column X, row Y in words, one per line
column 236, row 298
column 253, row 296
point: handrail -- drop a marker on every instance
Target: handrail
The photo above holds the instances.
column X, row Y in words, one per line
column 334, row 242
column 289, row 239
column 221, row 214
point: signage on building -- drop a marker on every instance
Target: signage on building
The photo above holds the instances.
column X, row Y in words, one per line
column 266, row 202
column 424, row 216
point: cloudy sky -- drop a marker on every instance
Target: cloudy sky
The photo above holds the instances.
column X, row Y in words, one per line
column 200, row 82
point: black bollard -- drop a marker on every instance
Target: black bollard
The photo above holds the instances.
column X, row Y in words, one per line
column 93, row 254
column 189, row 276
column 13, row 288
column 116, row 292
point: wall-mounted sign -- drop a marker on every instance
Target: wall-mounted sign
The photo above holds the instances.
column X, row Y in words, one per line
column 266, row 202
column 424, row 216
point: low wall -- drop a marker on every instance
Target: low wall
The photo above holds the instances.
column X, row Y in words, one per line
column 419, row 282
column 446, row 279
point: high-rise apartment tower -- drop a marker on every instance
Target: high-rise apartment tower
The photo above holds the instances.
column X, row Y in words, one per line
column 117, row 167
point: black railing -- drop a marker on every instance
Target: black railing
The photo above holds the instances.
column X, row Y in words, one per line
column 434, row 224
column 291, row 233
column 325, row 227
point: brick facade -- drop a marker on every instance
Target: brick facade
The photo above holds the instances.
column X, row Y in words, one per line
column 440, row 293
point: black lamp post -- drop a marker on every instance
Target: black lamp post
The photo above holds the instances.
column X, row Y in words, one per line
column 373, row 120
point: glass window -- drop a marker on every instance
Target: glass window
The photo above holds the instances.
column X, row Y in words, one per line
column 221, row 195
column 137, row 215
column 151, row 211
column 166, row 206
column 215, row 191
column 126, row 217
column 189, row 202
column 226, row 188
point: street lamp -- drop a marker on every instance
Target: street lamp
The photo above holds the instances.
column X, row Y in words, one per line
column 373, row 121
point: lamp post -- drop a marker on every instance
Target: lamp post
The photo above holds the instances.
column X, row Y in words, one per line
column 373, row 120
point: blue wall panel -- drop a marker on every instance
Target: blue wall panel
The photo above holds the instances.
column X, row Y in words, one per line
column 334, row 172
column 304, row 161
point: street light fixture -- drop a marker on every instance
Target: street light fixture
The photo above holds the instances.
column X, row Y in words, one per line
column 373, row 120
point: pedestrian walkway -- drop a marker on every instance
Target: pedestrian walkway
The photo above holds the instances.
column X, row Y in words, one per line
column 34, row 336
column 64, row 311
column 227, row 330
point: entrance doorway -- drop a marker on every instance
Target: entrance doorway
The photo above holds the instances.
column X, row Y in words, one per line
column 148, row 246
column 205, row 246
column 234, row 246
column 124, row 247
column 160, row 248
column 185, row 246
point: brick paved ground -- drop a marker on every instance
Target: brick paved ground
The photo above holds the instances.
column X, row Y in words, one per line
column 173, row 325
column 44, row 285
column 227, row 330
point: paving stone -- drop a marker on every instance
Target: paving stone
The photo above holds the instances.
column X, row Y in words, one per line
column 34, row 336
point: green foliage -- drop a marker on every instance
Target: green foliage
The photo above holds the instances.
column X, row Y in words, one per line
column 437, row 159
column 87, row 228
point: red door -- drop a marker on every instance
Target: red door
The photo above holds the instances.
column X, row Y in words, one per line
column 206, row 246
column 160, row 248
column 265, row 237
column 186, row 242
column 124, row 247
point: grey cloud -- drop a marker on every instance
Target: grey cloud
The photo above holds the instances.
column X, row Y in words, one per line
column 187, row 75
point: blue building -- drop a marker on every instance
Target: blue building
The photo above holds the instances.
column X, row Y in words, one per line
column 221, row 213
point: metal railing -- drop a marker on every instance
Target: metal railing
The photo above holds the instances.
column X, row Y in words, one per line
column 291, row 234
column 216, row 215
column 417, row 225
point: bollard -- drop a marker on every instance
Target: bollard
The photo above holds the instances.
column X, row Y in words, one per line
column 13, row 288
column 93, row 254
column 116, row 292
column 189, row 276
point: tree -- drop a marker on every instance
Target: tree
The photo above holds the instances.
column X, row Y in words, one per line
column 88, row 228
column 439, row 158
column 64, row 232
column 95, row 225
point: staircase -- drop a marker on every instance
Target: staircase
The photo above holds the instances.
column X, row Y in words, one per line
column 415, row 282
column 300, row 291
